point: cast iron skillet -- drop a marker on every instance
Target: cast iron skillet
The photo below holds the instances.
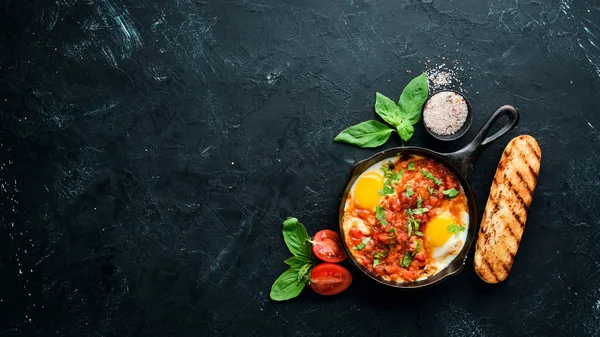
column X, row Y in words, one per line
column 460, row 163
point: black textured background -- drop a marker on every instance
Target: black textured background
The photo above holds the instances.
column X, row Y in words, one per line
column 151, row 149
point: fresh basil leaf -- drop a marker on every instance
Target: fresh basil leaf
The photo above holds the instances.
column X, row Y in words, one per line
column 287, row 286
column 430, row 190
column 296, row 238
column 407, row 260
column 303, row 271
column 392, row 230
column 405, row 130
column 366, row 134
column 451, row 193
column 409, row 227
column 387, row 109
column 418, row 246
column 417, row 223
column 418, row 233
column 409, row 191
column 362, row 244
column 412, row 98
column 380, row 215
column 411, row 166
column 297, row 261
column 430, row 176
column 419, row 201
column 375, row 262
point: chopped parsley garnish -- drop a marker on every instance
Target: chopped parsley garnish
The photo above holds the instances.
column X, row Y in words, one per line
column 418, row 233
column 408, row 256
column 456, row 229
column 392, row 179
column 409, row 227
column 419, row 201
column 411, row 166
column 409, row 191
column 387, row 189
column 406, row 260
column 419, row 211
column 451, row 193
column 430, row 176
column 430, row 190
column 416, row 223
column 392, row 230
column 362, row 244
column 378, row 256
column 380, row 215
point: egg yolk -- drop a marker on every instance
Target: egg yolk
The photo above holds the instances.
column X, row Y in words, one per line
column 437, row 229
column 366, row 191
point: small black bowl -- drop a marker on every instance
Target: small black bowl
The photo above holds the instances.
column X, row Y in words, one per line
column 463, row 129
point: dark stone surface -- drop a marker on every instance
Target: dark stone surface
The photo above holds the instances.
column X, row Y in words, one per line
column 151, row 149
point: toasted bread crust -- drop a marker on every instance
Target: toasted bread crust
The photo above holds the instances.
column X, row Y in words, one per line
column 506, row 209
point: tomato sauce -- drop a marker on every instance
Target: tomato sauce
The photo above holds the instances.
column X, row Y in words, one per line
column 390, row 252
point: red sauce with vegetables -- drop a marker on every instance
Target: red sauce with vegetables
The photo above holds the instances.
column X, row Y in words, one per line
column 390, row 249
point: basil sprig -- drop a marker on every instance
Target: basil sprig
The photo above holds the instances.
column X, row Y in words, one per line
column 401, row 117
column 290, row 284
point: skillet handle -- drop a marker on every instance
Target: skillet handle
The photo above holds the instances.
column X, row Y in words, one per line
column 465, row 158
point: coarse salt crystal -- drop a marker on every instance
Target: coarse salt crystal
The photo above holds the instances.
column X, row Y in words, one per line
column 445, row 113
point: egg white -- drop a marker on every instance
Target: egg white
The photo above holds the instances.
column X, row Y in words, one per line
column 443, row 256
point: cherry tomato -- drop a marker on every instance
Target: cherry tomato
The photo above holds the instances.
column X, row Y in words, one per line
column 328, row 247
column 330, row 279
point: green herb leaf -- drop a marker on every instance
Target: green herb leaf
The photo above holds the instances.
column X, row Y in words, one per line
column 304, row 270
column 409, row 191
column 380, row 215
column 375, row 262
column 455, row 228
column 362, row 244
column 430, row 176
column 366, row 134
column 430, row 190
column 287, row 286
column 420, row 211
column 409, row 227
column 418, row 246
column 297, row 261
column 392, row 230
column 416, row 223
column 387, row 189
column 419, row 201
column 418, row 233
column 405, row 130
column 387, row 109
column 406, row 260
column 411, row 166
column 451, row 193
column 412, row 98
column 296, row 238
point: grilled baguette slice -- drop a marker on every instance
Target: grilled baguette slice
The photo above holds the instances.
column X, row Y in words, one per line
column 506, row 209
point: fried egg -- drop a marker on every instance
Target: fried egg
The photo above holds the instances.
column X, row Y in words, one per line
column 365, row 190
column 444, row 243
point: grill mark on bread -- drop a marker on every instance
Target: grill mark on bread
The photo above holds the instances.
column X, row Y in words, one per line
column 489, row 267
column 515, row 192
column 524, row 181
column 533, row 150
